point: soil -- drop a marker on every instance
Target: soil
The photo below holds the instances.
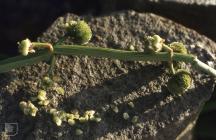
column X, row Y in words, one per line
column 97, row 83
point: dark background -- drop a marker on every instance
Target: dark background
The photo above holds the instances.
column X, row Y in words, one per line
column 30, row 18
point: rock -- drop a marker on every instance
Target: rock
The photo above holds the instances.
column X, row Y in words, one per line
column 196, row 14
column 94, row 83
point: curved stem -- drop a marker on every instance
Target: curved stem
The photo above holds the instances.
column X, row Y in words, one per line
column 42, row 45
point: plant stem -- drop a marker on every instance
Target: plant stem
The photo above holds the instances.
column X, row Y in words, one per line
column 131, row 55
column 18, row 61
column 11, row 63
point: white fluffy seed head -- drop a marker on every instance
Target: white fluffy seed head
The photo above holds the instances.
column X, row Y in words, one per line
column 24, row 46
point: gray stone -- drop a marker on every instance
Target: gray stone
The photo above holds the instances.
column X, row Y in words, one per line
column 196, row 2
column 95, row 83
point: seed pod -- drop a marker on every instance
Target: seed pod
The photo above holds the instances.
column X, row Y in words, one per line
column 83, row 119
column 179, row 82
column 44, row 102
column 89, row 114
column 81, row 32
column 42, row 95
column 96, row 119
column 57, row 120
column 78, row 132
column 135, row 119
column 53, row 111
column 47, row 82
column 23, row 107
column 126, row 116
column 114, row 108
column 131, row 104
column 71, row 122
column 60, row 90
column 28, row 108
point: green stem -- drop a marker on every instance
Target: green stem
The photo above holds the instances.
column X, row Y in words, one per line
column 131, row 55
column 119, row 54
column 15, row 62
column 18, row 61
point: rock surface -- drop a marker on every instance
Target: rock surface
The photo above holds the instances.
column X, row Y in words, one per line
column 97, row 83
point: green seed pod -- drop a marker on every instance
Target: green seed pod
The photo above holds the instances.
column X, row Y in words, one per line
column 89, row 114
column 57, row 120
column 131, row 104
column 23, row 107
column 126, row 116
column 83, row 119
column 153, row 44
column 131, row 48
column 24, row 47
column 42, row 95
column 96, row 119
column 28, row 108
column 22, row 104
column 81, row 32
column 53, row 111
column 178, row 47
column 135, row 119
column 47, row 82
column 114, row 108
column 62, row 115
column 44, row 102
column 60, row 90
column 78, row 132
column 179, row 82
column 71, row 122
column 32, row 109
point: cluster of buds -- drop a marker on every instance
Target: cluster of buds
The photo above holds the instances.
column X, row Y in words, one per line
column 153, row 44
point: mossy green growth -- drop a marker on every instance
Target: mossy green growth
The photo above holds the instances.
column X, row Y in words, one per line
column 179, row 82
column 81, row 32
column 178, row 47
